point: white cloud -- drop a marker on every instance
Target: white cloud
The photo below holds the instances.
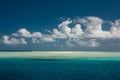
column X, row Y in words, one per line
column 58, row 34
column 85, row 32
column 64, row 28
column 36, row 34
column 22, row 41
column 115, row 29
column 91, row 21
column 93, row 27
column 47, row 38
column 77, row 30
column 13, row 41
column 22, row 33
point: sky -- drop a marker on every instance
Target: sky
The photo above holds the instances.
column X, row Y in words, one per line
column 72, row 25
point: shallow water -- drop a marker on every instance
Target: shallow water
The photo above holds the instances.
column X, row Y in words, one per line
column 59, row 69
column 60, row 54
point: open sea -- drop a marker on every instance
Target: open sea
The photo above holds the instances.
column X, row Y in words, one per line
column 59, row 69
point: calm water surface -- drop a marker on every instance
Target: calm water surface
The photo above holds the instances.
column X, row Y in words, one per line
column 59, row 69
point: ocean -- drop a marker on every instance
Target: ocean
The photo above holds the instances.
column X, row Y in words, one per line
column 59, row 69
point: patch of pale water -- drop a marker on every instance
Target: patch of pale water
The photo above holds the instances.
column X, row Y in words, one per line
column 60, row 54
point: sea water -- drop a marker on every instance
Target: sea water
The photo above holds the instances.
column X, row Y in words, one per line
column 60, row 69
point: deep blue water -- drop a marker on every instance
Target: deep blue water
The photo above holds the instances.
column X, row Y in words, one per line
column 59, row 69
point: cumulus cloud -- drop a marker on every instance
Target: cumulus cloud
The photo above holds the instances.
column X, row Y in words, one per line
column 77, row 30
column 64, row 28
column 93, row 27
column 47, row 38
column 84, row 32
column 22, row 33
column 58, row 34
column 13, row 41
column 36, row 34
column 115, row 29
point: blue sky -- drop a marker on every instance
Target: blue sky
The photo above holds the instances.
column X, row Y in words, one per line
column 21, row 19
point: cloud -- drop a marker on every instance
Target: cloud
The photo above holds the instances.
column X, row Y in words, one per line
column 77, row 30
column 64, row 28
column 13, row 41
column 22, row 33
column 47, row 38
column 82, row 32
column 93, row 27
column 115, row 29
column 57, row 34
column 35, row 41
column 36, row 34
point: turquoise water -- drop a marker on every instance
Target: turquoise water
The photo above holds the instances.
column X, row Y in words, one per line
column 59, row 69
